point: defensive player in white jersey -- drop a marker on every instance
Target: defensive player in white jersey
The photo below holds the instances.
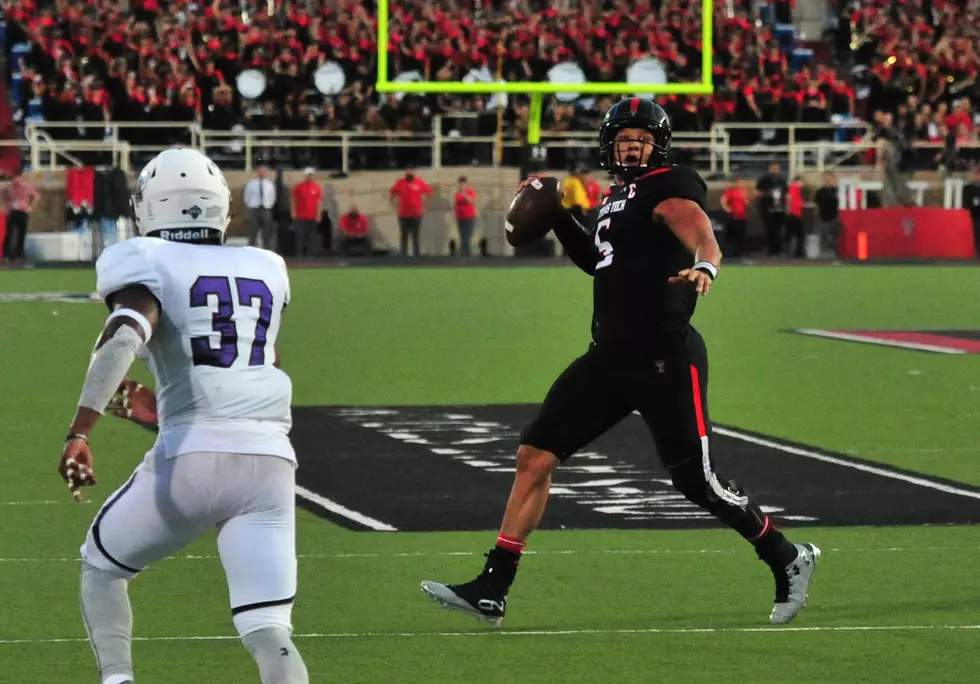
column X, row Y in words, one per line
column 205, row 318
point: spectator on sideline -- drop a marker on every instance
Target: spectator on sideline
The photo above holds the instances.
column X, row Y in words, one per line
column 282, row 216
column 735, row 204
column 794, row 218
column 827, row 224
column 260, row 200
column 307, row 205
column 971, row 202
column 409, row 195
column 325, row 229
column 574, row 196
column 888, row 154
column 465, row 206
column 771, row 195
column 354, row 238
column 593, row 191
column 20, row 199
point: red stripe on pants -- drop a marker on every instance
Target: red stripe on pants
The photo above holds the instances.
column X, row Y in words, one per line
column 696, row 387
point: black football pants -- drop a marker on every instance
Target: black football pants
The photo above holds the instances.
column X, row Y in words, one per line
column 667, row 384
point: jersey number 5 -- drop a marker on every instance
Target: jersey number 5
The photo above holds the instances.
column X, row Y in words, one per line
column 250, row 292
column 604, row 247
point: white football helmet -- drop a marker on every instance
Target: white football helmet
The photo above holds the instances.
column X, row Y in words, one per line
column 182, row 195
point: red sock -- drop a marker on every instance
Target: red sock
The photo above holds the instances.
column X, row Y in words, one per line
column 511, row 544
column 766, row 527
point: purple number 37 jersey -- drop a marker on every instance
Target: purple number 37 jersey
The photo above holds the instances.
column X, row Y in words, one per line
column 212, row 357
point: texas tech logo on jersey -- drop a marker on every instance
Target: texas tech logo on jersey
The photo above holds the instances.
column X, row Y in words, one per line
column 612, row 207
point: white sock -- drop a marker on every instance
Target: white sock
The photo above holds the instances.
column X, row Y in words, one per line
column 278, row 660
column 109, row 622
column 118, row 679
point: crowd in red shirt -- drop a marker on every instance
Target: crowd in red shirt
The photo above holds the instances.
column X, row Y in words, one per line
column 170, row 61
column 921, row 63
column 179, row 61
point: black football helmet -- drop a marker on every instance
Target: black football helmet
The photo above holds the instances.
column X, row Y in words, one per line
column 634, row 112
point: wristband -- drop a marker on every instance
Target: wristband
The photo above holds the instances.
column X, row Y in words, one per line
column 707, row 267
column 76, row 435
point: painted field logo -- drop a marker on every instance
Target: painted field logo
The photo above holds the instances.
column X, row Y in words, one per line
column 429, row 468
column 935, row 341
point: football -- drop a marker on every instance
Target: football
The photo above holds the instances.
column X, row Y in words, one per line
column 533, row 211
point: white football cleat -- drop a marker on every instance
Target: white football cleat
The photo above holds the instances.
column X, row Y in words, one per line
column 792, row 584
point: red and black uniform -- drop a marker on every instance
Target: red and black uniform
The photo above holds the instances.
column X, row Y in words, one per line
column 645, row 355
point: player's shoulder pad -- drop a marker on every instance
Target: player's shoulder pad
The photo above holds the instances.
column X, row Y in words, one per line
column 281, row 265
column 128, row 263
column 674, row 182
column 273, row 258
column 276, row 263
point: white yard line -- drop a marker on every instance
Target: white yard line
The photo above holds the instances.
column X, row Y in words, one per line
column 335, row 508
column 546, row 552
column 537, row 632
column 863, row 467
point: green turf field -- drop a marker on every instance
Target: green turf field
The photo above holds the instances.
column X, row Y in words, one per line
column 890, row 604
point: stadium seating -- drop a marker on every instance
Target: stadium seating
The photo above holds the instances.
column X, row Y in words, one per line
column 92, row 65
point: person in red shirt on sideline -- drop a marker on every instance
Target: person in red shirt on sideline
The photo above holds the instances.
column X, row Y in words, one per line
column 594, row 192
column 794, row 217
column 408, row 194
column 354, row 239
column 465, row 205
column 307, row 204
column 735, row 204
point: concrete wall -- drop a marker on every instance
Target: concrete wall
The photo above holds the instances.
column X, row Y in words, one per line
column 494, row 189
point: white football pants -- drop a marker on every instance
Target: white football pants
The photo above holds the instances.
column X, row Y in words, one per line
column 168, row 503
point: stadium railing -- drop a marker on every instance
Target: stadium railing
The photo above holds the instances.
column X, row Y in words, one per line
column 711, row 152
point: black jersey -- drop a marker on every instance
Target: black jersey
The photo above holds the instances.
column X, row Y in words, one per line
column 632, row 300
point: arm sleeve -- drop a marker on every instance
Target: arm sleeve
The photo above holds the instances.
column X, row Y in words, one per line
column 123, row 265
column 577, row 242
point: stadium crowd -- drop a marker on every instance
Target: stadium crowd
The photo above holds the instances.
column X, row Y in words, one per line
column 179, row 61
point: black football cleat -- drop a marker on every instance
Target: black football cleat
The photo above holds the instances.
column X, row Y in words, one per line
column 471, row 598
column 485, row 598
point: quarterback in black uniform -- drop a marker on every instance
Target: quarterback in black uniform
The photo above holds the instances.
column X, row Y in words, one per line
column 651, row 254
